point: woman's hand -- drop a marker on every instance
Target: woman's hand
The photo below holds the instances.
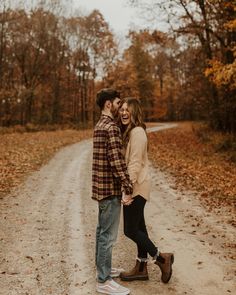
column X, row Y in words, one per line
column 126, row 200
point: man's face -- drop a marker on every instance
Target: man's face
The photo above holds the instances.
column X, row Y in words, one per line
column 115, row 107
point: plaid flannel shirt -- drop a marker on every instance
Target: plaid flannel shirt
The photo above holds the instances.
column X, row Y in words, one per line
column 109, row 172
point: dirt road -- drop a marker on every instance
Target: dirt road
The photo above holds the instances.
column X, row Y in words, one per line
column 47, row 235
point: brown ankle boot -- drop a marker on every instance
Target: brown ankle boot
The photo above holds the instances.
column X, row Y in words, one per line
column 165, row 261
column 139, row 272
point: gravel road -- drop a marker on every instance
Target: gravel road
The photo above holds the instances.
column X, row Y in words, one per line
column 47, row 235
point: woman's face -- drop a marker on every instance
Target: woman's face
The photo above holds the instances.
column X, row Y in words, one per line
column 125, row 115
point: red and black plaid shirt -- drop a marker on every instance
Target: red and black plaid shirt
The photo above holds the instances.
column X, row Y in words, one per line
column 109, row 171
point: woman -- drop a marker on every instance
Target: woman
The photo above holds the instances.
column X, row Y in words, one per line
column 135, row 143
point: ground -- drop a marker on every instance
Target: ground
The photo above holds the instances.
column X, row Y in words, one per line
column 48, row 235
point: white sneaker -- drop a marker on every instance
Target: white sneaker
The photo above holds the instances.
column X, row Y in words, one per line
column 110, row 287
column 115, row 272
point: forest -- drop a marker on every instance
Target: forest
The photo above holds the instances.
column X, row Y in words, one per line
column 181, row 65
column 52, row 63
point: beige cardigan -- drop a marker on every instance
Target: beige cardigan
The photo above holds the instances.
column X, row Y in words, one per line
column 137, row 162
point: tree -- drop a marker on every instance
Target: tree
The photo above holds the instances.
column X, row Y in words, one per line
column 208, row 26
column 49, row 63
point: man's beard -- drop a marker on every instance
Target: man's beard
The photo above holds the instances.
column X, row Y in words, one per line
column 114, row 112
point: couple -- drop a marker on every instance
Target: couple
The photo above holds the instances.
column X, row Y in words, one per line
column 120, row 176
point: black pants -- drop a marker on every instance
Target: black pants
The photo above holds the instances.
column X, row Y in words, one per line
column 135, row 228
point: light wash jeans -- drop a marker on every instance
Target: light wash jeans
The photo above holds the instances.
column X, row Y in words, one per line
column 106, row 235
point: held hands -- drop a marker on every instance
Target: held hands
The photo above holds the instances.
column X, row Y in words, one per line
column 126, row 199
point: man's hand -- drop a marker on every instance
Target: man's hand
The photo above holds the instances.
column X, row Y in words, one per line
column 126, row 199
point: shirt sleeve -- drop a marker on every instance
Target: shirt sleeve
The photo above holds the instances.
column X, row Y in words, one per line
column 117, row 160
column 138, row 143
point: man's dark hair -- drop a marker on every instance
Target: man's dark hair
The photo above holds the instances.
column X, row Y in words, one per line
column 106, row 94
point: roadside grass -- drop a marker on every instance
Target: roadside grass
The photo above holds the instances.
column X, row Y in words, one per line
column 200, row 160
column 24, row 152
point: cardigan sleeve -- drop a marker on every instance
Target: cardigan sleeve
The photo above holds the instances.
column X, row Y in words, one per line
column 138, row 145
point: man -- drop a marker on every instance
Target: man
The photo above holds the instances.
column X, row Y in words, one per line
column 109, row 179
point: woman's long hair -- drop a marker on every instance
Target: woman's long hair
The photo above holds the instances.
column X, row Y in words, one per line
column 136, row 117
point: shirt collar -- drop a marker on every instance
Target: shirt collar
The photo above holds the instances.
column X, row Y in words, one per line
column 107, row 116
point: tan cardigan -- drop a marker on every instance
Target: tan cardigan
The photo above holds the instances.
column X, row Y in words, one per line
column 137, row 162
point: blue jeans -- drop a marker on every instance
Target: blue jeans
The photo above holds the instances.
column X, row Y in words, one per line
column 106, row 235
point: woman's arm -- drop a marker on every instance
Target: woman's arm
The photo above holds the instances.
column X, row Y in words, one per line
column 138, row 147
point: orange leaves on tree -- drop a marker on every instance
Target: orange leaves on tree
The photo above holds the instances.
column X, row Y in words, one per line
column 222, row 74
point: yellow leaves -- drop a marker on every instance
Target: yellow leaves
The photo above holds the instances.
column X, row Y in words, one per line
column 221, row 74
column 231, row 25
column 23, row 153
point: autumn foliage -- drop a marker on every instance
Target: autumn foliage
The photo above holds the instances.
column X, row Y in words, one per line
column 21, row 154
column 195, row 164
column 49, row 63
column 52, row 63
column 193, row 65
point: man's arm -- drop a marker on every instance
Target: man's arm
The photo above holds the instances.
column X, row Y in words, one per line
column 117, row 160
